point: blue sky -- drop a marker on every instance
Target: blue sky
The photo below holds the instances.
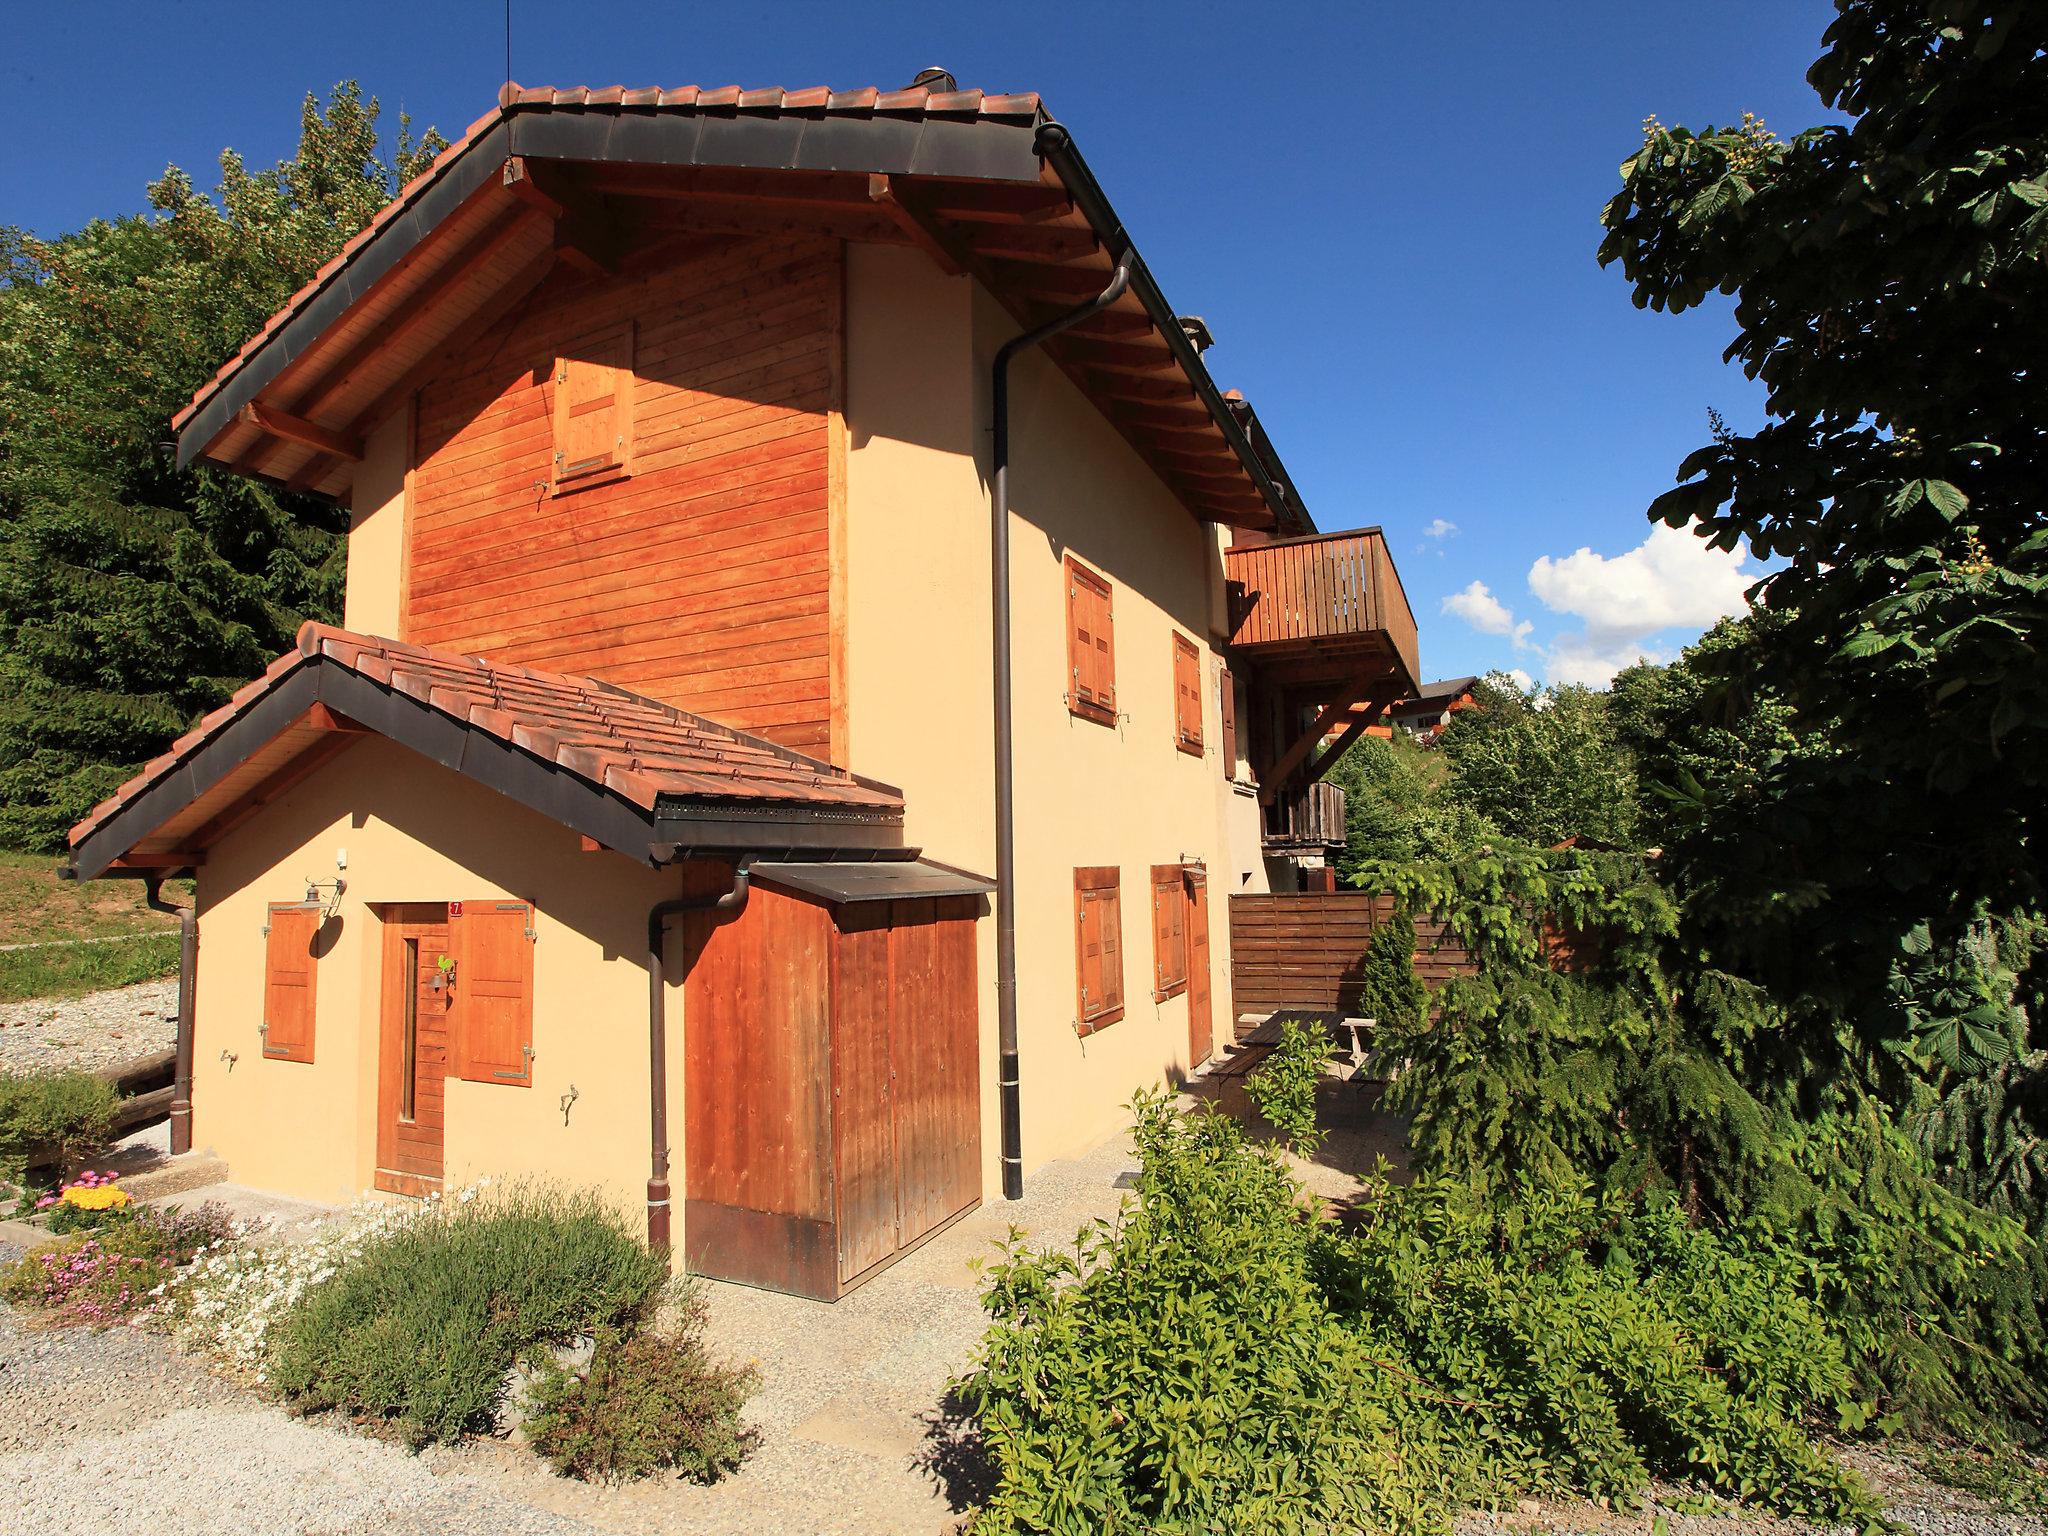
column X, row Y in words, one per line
column 1386, row 212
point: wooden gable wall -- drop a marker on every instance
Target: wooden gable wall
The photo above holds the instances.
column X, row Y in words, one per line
column 702, row 578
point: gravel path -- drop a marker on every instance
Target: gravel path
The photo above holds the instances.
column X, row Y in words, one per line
column 97, row 1030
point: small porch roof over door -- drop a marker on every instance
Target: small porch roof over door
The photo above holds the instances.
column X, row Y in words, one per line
column 637, row 777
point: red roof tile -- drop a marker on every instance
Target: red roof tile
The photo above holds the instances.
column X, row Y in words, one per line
column 633, row 746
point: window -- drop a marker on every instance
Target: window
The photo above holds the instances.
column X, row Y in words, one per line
column 1098, row 947
column 1169, row 933
column 1187, row 695
column 1226, row 698
column 594, row 410
column 1091, row 646
column 493, row 981
column 288, row 977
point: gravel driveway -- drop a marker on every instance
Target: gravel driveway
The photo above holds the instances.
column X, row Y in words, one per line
column 97, row 1030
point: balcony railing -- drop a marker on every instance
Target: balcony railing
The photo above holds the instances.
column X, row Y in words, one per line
column 1321, row 596
column 1306, row 817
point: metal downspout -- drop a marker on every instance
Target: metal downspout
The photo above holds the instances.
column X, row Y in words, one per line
column 188, row 965
column 1006, row 828
column 734, row 900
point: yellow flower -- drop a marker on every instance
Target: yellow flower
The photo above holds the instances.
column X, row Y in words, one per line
column 106, row 1197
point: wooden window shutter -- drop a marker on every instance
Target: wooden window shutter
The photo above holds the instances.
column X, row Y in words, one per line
column 1091, row 646
column 1226, row 694
column 1098, row 947
column 491, row 1032
column 1187, row 695
column 1169, row 932
column 289, row 974
column 593, row 412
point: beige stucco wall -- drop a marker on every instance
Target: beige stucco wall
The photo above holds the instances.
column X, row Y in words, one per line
column 372, row 600
column 415, row 831
column 919, row 347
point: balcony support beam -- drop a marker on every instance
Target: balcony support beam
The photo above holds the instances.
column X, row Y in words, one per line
column 1364, row 686
column 1375, row 710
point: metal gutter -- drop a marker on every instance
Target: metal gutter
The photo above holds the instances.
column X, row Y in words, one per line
column 1006, row 812
column 730, row 901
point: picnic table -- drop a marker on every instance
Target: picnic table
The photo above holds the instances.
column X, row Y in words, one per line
column 1345, row 1034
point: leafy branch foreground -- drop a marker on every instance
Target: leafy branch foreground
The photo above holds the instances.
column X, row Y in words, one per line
column 1217, row 1358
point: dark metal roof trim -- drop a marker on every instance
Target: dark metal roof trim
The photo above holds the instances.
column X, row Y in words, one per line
column 843, row 883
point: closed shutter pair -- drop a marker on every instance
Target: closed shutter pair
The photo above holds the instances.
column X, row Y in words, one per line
column 491, row 1021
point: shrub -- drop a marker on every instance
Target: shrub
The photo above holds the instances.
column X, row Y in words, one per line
column 205, row 1227
column 419, row 1326
column 1181, row 1369
column 1389, row 991
column 1595, row 1342
column 232, row 1299
column 1218, row 1360
column 97, row 1278
column 647, row 1403
column 1284, row 1087
column 67, row 1113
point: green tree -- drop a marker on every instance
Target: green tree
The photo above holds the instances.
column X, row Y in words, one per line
column 1397, row 806
column 1542, row 766
column 134, row 596
column 1891, row 284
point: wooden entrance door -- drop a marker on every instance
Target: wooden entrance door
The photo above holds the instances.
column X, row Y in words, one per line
column 1201, row 1029
column 412, row 1061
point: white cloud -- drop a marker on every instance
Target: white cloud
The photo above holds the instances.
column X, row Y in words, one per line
column 1522, row 679
column 1440, row 528
column 1579, row 659
column 1671, row 580
column 1486, row 613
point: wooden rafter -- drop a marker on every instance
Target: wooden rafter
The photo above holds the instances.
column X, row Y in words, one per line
column 1357, row 690
column 789, row 189
column 423, row 303
column 481, row 320
column 585, row 238
column 726, row 216
column 914, row 226
column 296, row 429
column 1001, row 204
column 1361, row 719
column 325, row 748
column 1036, row 242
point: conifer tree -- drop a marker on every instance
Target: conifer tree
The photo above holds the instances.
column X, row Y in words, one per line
column 135, row 596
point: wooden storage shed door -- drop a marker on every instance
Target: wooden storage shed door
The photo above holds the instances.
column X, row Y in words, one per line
column 907, row 1090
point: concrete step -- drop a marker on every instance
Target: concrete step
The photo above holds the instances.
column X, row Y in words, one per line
column 175, row 1176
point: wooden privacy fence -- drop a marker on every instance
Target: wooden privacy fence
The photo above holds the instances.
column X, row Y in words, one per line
column 1307, row 949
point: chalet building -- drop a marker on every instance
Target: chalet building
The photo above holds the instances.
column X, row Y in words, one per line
column 818, row 650
column 1429, row 710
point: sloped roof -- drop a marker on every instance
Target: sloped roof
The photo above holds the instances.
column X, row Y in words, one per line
column 1440, row 692
column 636, row 775
column 986, row 183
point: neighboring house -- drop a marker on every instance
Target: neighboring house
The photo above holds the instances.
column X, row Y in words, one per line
column 1430, row 709
column 641, row 827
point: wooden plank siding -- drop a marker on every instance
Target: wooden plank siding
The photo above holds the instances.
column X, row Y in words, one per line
column 1307, row 949
column 702, row 576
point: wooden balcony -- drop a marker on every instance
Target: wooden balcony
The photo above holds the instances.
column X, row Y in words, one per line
column 1328, row 608
column 1305, row 818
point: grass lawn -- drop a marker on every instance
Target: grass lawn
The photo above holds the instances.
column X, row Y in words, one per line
column 38, row 908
